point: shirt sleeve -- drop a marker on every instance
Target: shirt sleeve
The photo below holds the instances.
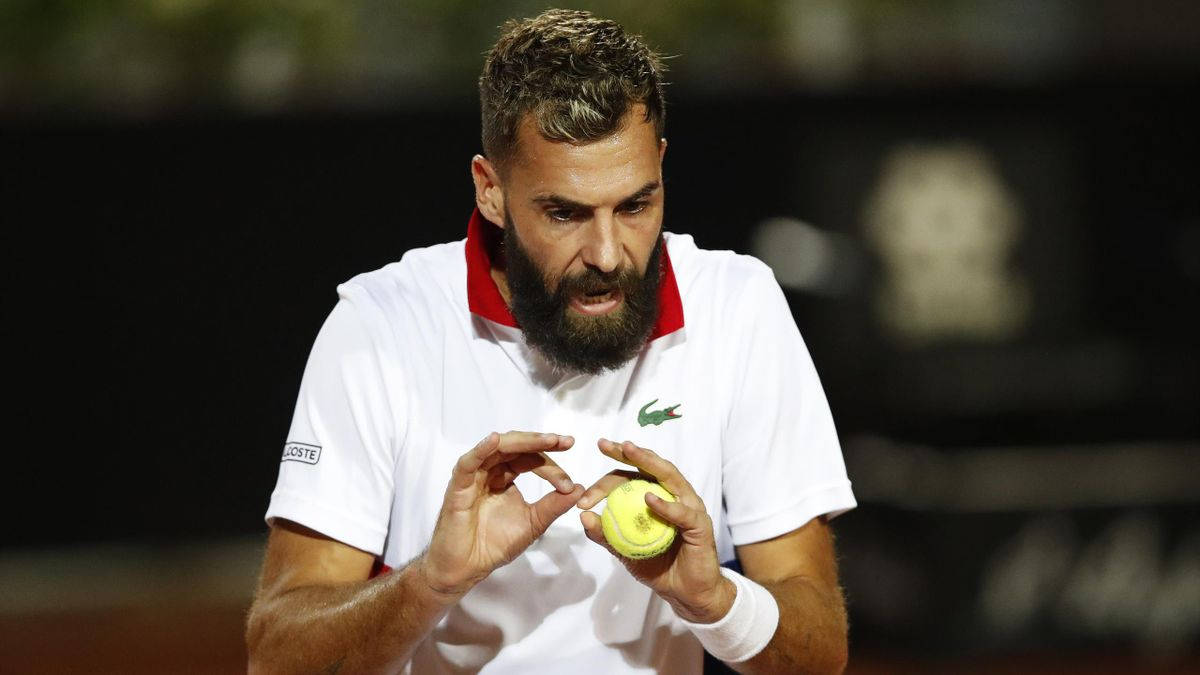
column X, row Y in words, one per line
column 337, row 470
column 782, row 463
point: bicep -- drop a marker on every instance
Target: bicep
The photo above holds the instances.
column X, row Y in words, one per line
column 807, row 552
column 297, row 556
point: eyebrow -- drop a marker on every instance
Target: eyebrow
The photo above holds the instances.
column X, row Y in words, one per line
column 563, row 202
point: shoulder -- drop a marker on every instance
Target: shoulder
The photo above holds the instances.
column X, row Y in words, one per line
column 425, row 280
column 715, row 280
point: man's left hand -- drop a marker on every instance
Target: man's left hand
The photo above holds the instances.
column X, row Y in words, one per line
column 688, row 574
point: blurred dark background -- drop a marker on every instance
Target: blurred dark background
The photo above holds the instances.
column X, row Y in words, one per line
column 985, row 215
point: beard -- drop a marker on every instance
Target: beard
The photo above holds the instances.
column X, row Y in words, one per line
column 575, row 342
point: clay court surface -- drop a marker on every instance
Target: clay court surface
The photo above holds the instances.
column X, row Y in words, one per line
column 209, row 640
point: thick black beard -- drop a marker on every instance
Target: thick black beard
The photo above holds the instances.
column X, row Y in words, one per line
column 572, row 342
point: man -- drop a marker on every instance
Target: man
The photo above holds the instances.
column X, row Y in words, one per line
column 563, row 314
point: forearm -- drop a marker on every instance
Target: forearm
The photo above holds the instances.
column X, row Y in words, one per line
column 368, row 626
column 811, row 637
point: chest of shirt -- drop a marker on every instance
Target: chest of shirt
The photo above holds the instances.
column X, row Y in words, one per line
column 661, row 401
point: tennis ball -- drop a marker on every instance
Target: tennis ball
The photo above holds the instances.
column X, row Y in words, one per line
column 630, row 526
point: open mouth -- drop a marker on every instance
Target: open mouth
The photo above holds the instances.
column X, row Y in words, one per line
column 597, row 302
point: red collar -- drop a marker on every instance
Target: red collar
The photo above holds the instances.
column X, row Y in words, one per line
column 484, row 299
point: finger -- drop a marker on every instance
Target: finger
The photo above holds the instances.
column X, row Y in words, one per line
column 543, row 466
column 614, row 451
column 510, row 449
column 552, row 505
column 528, row 441
column 512, row 442
column 466, row 466
column 607, row 483
column 682, row 516
column 554, row 474
column 497, row 458
column 501, row 478
column 647, row 461
column 594, row 530
column 508, row 466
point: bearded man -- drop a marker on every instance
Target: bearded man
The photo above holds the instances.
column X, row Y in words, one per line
column 401, row 542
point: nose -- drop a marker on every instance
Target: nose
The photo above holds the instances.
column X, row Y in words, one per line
column 602, row 250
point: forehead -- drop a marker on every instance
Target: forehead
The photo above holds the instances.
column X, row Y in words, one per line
column 593, row 172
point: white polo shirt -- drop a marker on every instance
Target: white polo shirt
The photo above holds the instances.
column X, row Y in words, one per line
column 421, row 359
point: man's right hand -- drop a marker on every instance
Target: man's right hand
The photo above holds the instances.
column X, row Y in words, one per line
column 485, row 522
column 315, row 586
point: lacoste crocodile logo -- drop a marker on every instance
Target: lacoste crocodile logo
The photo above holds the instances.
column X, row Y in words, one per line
column 657, row 417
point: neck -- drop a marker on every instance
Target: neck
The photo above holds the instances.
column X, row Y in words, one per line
column 501, row 280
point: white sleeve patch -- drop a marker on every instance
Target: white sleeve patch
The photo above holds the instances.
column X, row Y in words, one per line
column 337, row 468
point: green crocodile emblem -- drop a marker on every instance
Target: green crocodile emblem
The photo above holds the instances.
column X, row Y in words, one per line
column 657, row 417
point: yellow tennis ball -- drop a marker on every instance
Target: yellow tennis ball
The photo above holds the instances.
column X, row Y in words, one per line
column 630, row 526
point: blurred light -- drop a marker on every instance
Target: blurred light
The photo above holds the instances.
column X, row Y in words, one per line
column 821, row 41
column 945, row 224
column 1114, row 585
column 806, row 258
column 1174, row 616
column 1107, row 591
column 265, row 68
column 372, row 51
column 1020, row 40
column 1025, row 572
column 1024, row 478
column 999, row 40
column 177, row 10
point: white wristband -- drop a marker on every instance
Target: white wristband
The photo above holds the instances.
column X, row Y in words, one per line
column 746, row 629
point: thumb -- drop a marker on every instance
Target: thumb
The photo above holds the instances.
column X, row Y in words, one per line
column 548, row 509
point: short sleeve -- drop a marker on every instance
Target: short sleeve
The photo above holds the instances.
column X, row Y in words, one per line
column 782, row 463
column 337, row 469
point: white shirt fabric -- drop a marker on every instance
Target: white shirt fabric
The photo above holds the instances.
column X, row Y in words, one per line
column 404, row 378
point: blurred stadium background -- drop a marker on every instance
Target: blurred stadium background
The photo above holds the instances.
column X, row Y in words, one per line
column 985, row 215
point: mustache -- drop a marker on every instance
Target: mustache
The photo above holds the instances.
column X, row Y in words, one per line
column 592, row 280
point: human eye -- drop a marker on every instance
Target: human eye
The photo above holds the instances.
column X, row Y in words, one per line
column 560, row 214
column 634, row 208
column 565, row 213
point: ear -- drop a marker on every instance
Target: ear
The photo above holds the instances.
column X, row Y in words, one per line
column 489, row 195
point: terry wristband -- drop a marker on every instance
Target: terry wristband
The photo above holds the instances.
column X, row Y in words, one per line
column 746, row 629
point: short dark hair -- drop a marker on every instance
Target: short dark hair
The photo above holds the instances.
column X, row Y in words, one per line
column 578, row 75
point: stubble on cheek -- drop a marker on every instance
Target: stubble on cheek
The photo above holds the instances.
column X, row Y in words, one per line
column 570, row 339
